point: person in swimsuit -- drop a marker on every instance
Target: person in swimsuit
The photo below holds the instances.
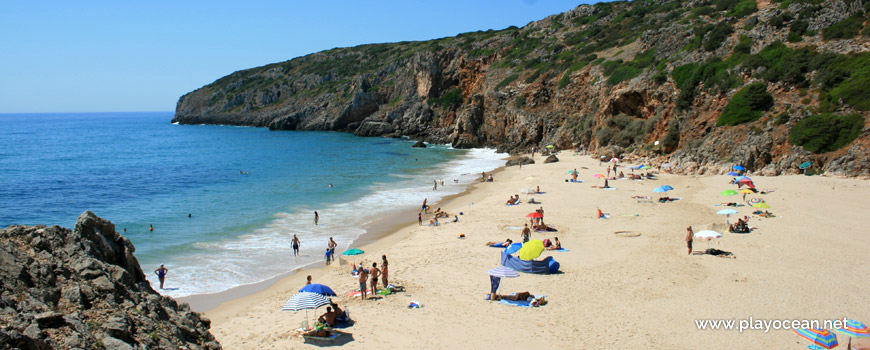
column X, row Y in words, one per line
column 363, row 278
column 556, row 244
column 527, row 233
column 316, row 218
column 690, row 235
column 328, row 317
column 309, row 280
column 375, row 273
column 420, row 218
column 161, row 274
column 332, row 246
column 151, row 228
column 384, row 269
column 295, row 243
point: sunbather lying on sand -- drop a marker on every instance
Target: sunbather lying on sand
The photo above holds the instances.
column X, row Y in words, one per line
column 521, row 296
column 506, row 243
column 720, row 253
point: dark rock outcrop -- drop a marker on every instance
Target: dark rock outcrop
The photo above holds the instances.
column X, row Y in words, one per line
column 84, row 289
column 610, row 74
column 551, row 159
column 419, row 144
column 518, row 161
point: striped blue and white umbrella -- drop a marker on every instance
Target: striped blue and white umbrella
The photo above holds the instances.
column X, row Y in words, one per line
column 305, row 301
column 503, row 271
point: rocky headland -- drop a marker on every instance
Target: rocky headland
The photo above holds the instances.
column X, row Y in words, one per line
column 703, row 84
column 84, row 289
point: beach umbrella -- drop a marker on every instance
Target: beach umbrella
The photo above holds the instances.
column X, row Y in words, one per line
column 660, row 189
column 820, row 337
column 805, row 165
column 666, row 165
column 852, row 328
column 728, row 192
column 755, row 201
column 746, row 191
column 739, row 167
column 531, row 249
column 743, row 178
column 726, row 212
column 352, row 252
column 642, row 166
column 761, row 205
column 496, row 274
column 745, row 181
column 732, row 174
column 318, row 288
column 305, row 301
column 534, row 215
column 614, row 160
column 513, row 248
column 503, row 271
column 550, row 146
column 707, row 235
column 598, row 176
column 669, row 187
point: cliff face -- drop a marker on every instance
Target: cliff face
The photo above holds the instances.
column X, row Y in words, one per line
column 84, row 289
column 613, row 77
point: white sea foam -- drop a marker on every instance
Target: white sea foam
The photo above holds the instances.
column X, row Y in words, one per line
column 265, row 252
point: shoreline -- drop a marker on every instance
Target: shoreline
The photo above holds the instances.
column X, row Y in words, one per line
column 381, row 232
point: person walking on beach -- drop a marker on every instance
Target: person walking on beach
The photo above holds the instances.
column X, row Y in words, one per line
column 608, row 171
column 527, row 233
column 375, row 273
column 161, row 274
column 425, row 207
column 420, row 218
column 690, row 235
column 384, row 269
column 316, row 218
column 295, row 243
column 363, row 278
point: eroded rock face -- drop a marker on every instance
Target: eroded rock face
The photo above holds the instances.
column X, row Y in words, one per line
column 551, row 159
column 84, row 289
column 518, row 161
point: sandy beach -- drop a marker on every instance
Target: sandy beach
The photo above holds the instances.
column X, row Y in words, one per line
column 631, row 291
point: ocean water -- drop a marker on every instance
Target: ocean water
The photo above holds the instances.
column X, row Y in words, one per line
column 137, row 169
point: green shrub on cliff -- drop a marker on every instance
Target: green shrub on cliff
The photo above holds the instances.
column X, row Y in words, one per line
column 449, row 100
column 826, row 132
column 509, row 79
column 747, row 105
column 845, row 29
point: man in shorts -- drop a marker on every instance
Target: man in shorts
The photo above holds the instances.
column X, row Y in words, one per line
column 375, row 274
column 363, row 278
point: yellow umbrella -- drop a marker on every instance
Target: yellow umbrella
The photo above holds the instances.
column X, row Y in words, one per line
column 531, row 249
column 746, row 191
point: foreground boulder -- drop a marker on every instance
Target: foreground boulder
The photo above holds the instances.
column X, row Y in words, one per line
column 84, row 289
column 551, row 159
column 419, row 144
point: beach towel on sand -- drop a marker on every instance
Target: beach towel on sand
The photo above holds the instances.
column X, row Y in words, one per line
column 562, row 250
column 518, row 203
column 355, row 293
column 520, row 303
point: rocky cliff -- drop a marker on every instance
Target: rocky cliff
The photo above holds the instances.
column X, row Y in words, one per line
column 768, row 84
column 84, row 289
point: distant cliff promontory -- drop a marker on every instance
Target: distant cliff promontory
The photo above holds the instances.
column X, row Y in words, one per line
column 767, row 84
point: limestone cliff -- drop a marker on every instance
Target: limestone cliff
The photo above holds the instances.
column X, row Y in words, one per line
column 84, row 289
column 618, row 75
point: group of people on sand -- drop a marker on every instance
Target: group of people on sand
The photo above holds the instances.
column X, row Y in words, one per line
column 740, row 226
column 372, row 275
column 485, row 178
column 515, row 199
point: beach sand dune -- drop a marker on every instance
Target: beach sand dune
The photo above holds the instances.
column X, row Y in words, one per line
column 614, row 291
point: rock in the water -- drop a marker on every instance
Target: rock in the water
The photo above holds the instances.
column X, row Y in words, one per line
column 551, row 159
column 90, row 292
column 419, row 144
column 518, row 161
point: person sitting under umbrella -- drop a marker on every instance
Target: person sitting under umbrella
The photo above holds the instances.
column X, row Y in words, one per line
column 328, row 318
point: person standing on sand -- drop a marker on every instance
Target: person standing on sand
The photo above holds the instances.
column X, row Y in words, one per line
column 425, row 207
column 363, row 278
column 316, row 217
column 420, row 218
column 527, row 233
column 690, row 235
column 332, row 246
column 295, row 243
column 608, row 171
column 384, row 269
column 161, row 274
column 375, row 273
column 309, row 280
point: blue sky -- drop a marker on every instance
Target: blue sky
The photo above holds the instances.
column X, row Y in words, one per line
column 98, row 56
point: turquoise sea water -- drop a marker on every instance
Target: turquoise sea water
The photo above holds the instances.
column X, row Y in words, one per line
column 137, row 169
